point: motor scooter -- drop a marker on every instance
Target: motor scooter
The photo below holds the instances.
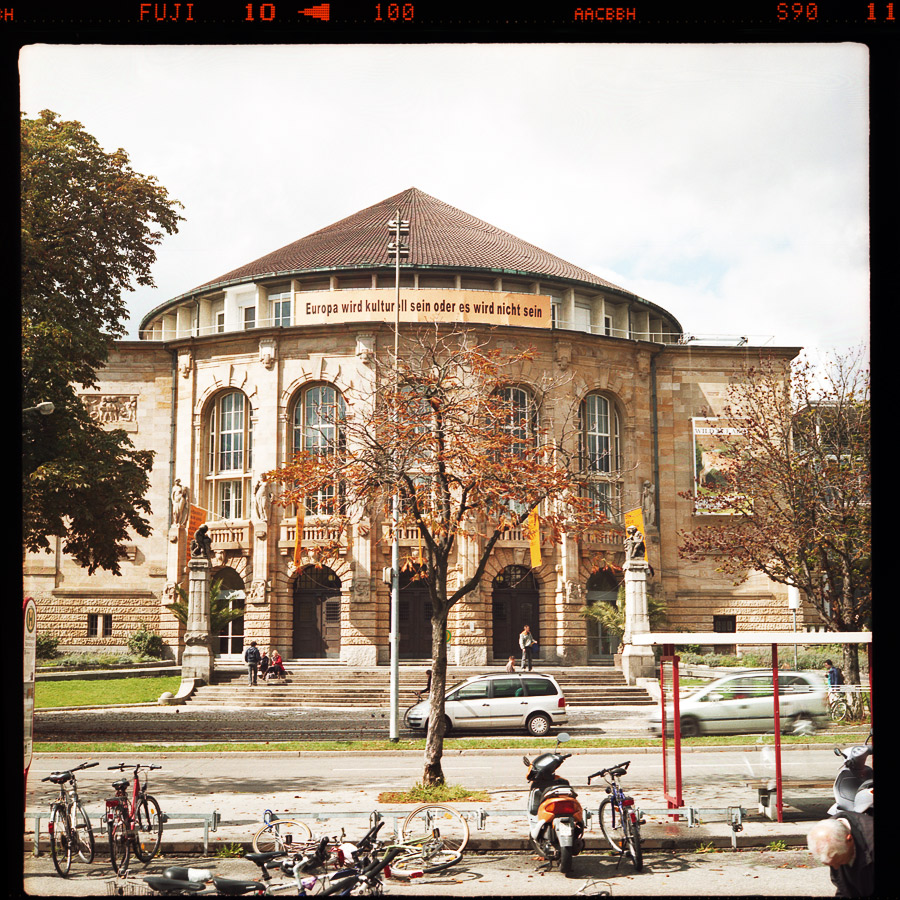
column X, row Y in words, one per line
column 853, row 787
column 555, row 817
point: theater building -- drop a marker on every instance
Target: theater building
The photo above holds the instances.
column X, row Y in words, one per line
column 229, row 378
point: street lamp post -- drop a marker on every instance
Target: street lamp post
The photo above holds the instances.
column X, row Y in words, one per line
column 44, row 408
column 396, row 248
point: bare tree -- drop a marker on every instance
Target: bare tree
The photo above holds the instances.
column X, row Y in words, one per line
column 793, row 488
column 443, row 426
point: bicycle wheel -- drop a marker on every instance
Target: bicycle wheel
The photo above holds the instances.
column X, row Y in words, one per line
column 839, row 710
column 633, row 841
column 148, row 828
column 84, row 833
column 435, row 819
column 610, row 824
column 426, row 859
column 281, row 834
column 60, row 843
column 119, row 842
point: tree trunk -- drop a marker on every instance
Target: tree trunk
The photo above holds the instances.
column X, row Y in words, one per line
column 434, row 739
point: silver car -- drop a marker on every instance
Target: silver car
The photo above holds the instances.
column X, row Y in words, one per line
column 743, row 703
column 529, row 700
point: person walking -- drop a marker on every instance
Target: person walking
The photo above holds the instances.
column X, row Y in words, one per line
column 252, row 658
column 845, row 843
column 526, row 642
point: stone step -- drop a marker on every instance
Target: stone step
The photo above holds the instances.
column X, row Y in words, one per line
column 330, row 683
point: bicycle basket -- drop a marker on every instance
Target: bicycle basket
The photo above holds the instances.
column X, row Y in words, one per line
column 121, row 887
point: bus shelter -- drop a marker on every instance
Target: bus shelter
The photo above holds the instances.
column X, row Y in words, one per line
column 669, row 681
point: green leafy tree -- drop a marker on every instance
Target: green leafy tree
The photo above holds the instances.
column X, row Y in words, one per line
column 89, row 228
column 611, row 616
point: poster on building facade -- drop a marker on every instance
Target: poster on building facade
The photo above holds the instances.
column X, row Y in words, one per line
column 713, row 439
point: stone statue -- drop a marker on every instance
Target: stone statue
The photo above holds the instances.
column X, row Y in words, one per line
column 201, row 545
column 635, row 548
column 648, row 503
column 262, row 499
column 180, row 503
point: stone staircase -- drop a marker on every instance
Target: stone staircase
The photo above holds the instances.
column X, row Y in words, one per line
column 332, row 684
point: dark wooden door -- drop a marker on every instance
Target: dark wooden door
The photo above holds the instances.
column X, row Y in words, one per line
column 317, row 615
column 414, row 613
column 515, row 603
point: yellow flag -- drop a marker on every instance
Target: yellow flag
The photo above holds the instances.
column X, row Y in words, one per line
column 298, row 540
column 534, row 538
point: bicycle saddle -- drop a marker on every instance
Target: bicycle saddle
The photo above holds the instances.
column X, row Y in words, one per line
column 60, row 777
column 236, row 886
column 121, row 784
column 164, row 885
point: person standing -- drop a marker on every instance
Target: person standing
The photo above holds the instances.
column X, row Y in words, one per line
column 526, row 642
column 252, row 658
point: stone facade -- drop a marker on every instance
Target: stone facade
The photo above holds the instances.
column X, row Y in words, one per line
column 167, row 390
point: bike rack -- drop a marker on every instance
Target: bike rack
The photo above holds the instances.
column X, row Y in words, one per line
column 733, row 814
column 211, row 822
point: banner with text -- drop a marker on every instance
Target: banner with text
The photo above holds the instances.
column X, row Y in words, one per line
column 426, row 305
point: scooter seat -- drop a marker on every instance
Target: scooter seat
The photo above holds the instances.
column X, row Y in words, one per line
column 236, row 886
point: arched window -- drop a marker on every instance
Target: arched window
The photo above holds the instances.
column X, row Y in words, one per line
column 519, row 418
column 601, row 454
column 318, row 428
column 229, row 455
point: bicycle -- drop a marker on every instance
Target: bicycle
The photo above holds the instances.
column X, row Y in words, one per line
column 618, row 820
column 287, row 835
column 70, row 828
column 837, row 706
column 136, row 824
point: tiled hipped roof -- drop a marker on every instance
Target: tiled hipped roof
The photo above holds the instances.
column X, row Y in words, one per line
column 440, row 236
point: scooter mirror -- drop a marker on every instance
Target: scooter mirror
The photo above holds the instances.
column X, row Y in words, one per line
column 526, row 760
column 562, row 737
column 838, row 752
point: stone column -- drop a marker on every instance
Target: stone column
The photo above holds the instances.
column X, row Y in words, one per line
column 637, row 662
column 197, row 660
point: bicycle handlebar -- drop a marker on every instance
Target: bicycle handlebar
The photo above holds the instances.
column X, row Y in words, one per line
column 87, row 765
column 122, row 766
column 623, row 766
column 350, row 881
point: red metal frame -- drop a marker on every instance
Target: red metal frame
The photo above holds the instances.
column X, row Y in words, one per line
column 668, row 655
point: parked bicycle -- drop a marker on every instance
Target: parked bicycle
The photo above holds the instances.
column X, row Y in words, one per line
column 618, row 819
column 136, row 823
column 70, row 828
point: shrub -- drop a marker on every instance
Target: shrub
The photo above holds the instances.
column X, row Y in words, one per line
column 46, row 646
column 146, row 643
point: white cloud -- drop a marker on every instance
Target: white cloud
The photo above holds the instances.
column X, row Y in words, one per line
column 724, row 182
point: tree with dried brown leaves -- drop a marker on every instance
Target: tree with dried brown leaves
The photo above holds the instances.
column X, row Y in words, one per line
column 792, row 495
column 442, row 427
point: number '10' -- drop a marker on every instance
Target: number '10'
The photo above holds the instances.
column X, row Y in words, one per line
column 394, row 12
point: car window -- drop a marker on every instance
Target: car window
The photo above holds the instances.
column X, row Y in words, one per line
column 540, row 687
column 508, row 687
column 792, row 684
column 472, row 691
column 744, row 688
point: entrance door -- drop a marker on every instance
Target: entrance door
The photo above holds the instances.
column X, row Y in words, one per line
column 317, row 615
column 414, row 613
column 515, row 603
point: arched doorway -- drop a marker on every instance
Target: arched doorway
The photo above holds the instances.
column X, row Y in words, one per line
column 515, row 602
column 414, row 614
column 231, row 596
column 602, row 587
column 317, row 614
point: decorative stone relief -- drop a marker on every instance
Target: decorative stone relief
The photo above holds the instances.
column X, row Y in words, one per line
column 365, row 348
column 185, row 364
column 257, row 593
column 116, row 410
column 267, row 352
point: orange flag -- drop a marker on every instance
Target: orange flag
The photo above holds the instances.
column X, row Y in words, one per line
column 534, row 538
column 301, row 511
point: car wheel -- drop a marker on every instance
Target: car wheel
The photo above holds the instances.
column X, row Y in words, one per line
column 802, row 723
column 539, row 724
column 690, row 727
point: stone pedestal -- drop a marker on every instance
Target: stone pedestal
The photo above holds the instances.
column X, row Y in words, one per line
column 637, row 662
column 197, row 660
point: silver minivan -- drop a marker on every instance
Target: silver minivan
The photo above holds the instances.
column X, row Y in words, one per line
column 527, row 700
column 743, row 703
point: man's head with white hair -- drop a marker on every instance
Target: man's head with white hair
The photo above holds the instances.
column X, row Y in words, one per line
column 831, row 842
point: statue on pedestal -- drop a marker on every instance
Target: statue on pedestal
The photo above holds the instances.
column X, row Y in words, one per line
column 201, row 543
column 635, row 547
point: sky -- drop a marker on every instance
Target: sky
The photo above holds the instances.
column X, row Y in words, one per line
column 727, row 183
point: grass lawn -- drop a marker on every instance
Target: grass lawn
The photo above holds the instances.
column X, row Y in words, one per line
column 102, row 691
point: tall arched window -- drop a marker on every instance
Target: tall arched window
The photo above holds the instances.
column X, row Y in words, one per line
column 318, row 428
column 519, row 417
column 229, row 455
column 601, row 453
